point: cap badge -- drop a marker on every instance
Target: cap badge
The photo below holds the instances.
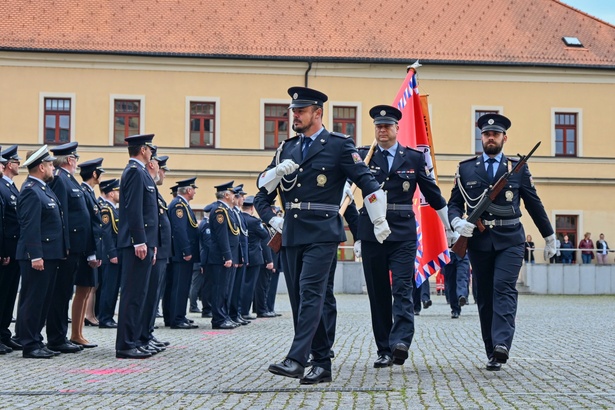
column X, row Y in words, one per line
column 490, row 122
column 383, row 112
column 295, row 96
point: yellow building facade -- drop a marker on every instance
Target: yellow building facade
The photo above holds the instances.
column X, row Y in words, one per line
column 577, row 188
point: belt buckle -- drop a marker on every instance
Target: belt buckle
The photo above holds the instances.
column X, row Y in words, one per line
column 490, row 223
column 296, row 205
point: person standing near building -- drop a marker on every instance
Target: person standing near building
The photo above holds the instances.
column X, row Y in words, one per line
column 528, row 255
column 311, row 170
column 567, row 250
column 400, row 170
column 496, row 254
column 81, row 246
column 42, row 244
column 9, row 269
column 138, row 241
column 587, row 248
column 110, row 263
column 186, row 252
column 602, row 251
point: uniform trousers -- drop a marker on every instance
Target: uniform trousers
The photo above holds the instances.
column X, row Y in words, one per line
column 109, row 289
column 9, row 282
column 247, row 290
column 151, row 301
column 261, row 290
column 456, row 278
column 57, row 316
column 167, row 291
column 308, row 271
column 272, row 289
column 205, row 293
column 420, row 294
column 496, row 274
column 235, row 292
column 182, row 277
column 391, row 324
column 196, row 286
column 220, row 278
column 34, row 301
column 329, row 310
column 135, row 275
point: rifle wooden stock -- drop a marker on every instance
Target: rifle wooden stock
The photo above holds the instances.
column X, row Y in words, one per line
column 353, row 187
column 275, row 243
column 460, row 247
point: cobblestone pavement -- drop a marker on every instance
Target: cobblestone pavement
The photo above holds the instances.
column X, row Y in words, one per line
column 562, row 358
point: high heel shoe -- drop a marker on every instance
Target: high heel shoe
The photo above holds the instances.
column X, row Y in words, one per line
column 88, row 323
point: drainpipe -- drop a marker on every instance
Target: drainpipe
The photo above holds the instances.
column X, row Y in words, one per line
column 307, row 72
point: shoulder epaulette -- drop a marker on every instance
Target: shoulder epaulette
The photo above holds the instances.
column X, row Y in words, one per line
column 339, row 134
column 414, row 149
column 290, row 139
column 365, row 147
column 469, row 159
column 218, row 210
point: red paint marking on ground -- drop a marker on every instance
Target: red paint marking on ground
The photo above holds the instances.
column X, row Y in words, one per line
column 93, row 381
column 68, row 391
column 105, row 372
column 213, row 333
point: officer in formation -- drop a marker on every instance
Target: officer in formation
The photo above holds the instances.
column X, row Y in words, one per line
column 9, row 268
column 77, row 267
column 237, row 280
column 42, row 244
column 496, row 254
column 400, row 170
column 201, row 285
column 311, row 171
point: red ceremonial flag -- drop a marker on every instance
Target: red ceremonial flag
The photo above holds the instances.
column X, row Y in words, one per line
column 432, row 250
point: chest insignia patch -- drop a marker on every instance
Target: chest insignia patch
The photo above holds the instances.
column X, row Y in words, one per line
column 509, row 196
column 321, row 180
column 405, row 186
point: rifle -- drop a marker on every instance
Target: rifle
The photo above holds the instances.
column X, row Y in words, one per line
column 461, row 245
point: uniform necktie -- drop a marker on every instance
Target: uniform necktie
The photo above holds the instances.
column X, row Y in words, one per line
column 306, row 146
column 490, row 163
column 386, row 154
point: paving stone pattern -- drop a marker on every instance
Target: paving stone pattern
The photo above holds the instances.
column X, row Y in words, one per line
column 562, row 358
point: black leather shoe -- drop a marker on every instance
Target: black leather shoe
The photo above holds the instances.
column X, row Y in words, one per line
column 108, row 325
column 159, row 341
column 156, row 346
column 493, row 366
column 241, row 321
column 400, row 353
column 147, row 349
column 426, row 304
column 417, row 313
column 463, row 300
column 84, row 345
column 316, row 375
column 132, row 354
column 224, row 325
column 454, row 315
column 383, row 361
column 500, row 353
column 5, row 349
column 74, row 345
column 195, row 310
column 51, row 351
column 276, row 313
column 13, row 344
column 190, row 321
column 87, row 322
column 248, row 317
column 65, row 348
column 266, row 314
column 208, row 314
column 288, row 368
column 182, row 326
column 38, row 354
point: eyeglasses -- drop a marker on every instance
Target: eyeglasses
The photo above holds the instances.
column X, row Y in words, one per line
column 14, row 162
column 75, row 157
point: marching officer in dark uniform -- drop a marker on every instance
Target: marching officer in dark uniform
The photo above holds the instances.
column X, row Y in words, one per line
column 9, row 272
column 400, row 170
column 138, row 239
column 223, row 255
column 42, row 244
column 496, row 254
column 203, row 289
column 186, row 252
column 110, row 263
column 311, row 170
column 258, row 254
column 81, row 244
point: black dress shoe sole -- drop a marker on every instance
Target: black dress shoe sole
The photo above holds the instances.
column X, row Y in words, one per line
column 378, row 365
column 130, row 356
column 493, row 367
column 326, row 379
column 84, row 345
column 63, row 350
column 400, row 355
column 500, row 355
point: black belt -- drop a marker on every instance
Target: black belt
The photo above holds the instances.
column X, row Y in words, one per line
column 399, row 207
column 500, row 222
column 311, row 206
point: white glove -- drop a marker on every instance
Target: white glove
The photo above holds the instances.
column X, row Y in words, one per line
column 550, row 248
column 357, row 249
column 347, row 192
column 277, row 223
column 376, row 207
column 451, row 237
column 271, row 178
column 463, row 227
column 288, row 166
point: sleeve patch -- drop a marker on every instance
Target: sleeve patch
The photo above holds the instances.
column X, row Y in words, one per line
column 105, row 219
column 179, row 213
column 220, row 218
column 356, row 158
